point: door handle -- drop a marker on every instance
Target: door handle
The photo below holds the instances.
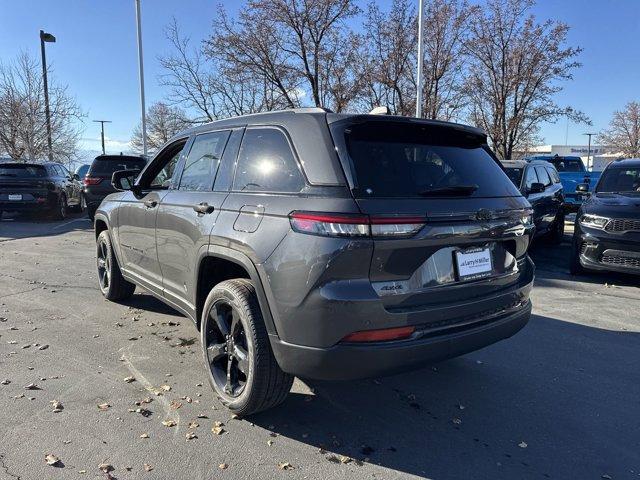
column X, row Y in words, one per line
column 150, row 203
column 203, row 207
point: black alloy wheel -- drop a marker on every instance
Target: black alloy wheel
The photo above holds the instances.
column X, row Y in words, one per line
column 227, row 349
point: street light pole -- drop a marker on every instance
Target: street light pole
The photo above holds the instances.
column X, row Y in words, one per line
column 589, row 149
column 46, row 37
column 102, row 122
column 141, row 73
column 419, row 76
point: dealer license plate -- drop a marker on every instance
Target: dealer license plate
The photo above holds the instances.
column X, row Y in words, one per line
column 474, row 263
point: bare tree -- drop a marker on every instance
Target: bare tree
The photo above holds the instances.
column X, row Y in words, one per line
column 23, row 132
column 389, row 60
column 163, row 122
column 624, row 131
column 445, row 31
column 286, row 43
column 516, row 67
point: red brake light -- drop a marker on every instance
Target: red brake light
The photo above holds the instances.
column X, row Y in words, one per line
column 349, row 225
column 91, row 180
column 383, row 335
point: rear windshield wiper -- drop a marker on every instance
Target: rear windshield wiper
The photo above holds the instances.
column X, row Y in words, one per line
column 450, row 190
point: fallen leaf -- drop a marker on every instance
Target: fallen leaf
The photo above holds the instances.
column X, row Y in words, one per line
column 6, row 381
column 190, row 435
column 344, row 459
column 187, row 399
column 51, row 459
column 269, row 442
column 194, row 425
column 57, row 406
column 43, row 347
column 82, row 471
column 32, row 386
column 169, row 423
column 285, row 466
column 104, row 407
column 217, row 430
column 166, row 388
column 523, row 445
column 106, row 468
column 223, row 466
column 144, row 435
column 147, row 467
column 175, row 405
column 129, row 379
column 457, row 421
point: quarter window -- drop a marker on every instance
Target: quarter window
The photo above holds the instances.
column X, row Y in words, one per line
column 530, row 178
column 266, row 163
column 203, row 161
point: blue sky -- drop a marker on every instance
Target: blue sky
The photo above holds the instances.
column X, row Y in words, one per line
column 96, row 54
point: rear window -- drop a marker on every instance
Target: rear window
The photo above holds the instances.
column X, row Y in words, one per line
column 400, row 159
column 108, row 165
column 22, row 171
column 565, row 164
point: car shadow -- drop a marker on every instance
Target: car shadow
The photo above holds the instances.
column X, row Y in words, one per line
column 13, row 226
column 555, row 401
column 149, row 303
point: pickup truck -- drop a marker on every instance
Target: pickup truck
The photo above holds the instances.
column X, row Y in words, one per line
column 572, row 172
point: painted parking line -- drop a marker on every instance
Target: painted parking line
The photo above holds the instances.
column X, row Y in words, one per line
column 70, row 222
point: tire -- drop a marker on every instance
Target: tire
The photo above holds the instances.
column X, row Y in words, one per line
column 575, row 267
column 557, row 232
column 232, row 322
column 112, row 284
column 60, row 210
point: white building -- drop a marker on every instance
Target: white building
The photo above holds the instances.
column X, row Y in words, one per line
column 599, row 158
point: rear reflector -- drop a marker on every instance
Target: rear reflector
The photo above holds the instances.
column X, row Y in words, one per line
column 348, row 225
column 386, row 334
column 91, row 180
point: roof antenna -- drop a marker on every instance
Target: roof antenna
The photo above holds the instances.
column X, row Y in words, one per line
column 380, row 111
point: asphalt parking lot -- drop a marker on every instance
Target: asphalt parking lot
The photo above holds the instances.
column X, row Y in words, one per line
column 560, row 400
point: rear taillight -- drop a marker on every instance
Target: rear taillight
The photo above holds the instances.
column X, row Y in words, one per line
column 384, row 335
column 91, row 180
column 346, row 225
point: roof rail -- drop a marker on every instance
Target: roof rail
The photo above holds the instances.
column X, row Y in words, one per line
column 311, row 110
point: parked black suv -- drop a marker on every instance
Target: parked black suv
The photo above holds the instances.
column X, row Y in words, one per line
column 97, row 181
column 322, row 245
column 607, row 229
column 540, row 183
column 46, row 188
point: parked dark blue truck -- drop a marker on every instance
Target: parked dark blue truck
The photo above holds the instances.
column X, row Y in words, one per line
column 572, row 172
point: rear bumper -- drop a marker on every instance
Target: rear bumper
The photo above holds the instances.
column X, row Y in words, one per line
column 355, row 361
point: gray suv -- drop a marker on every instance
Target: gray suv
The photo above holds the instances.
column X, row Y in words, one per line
column 326, row 246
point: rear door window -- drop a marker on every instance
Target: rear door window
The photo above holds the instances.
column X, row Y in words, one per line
column 266, row 163
column 543, row 176
column 553, row 174
column 401, row 159
column 203, row 161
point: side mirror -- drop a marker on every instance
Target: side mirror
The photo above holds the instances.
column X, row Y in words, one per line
column 582, row 188
column 536, row 188
column 123, row 180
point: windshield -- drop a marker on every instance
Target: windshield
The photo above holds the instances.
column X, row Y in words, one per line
column 108, row 165
column 515, row 174
column 400, row 159
column 619, row 180
column 22, row 171
column 82, row 170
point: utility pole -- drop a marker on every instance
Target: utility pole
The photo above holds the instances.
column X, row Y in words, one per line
column 102, row 122
column 420, row 76
column 141, row 73
column 46, row 37
column 589, row 149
